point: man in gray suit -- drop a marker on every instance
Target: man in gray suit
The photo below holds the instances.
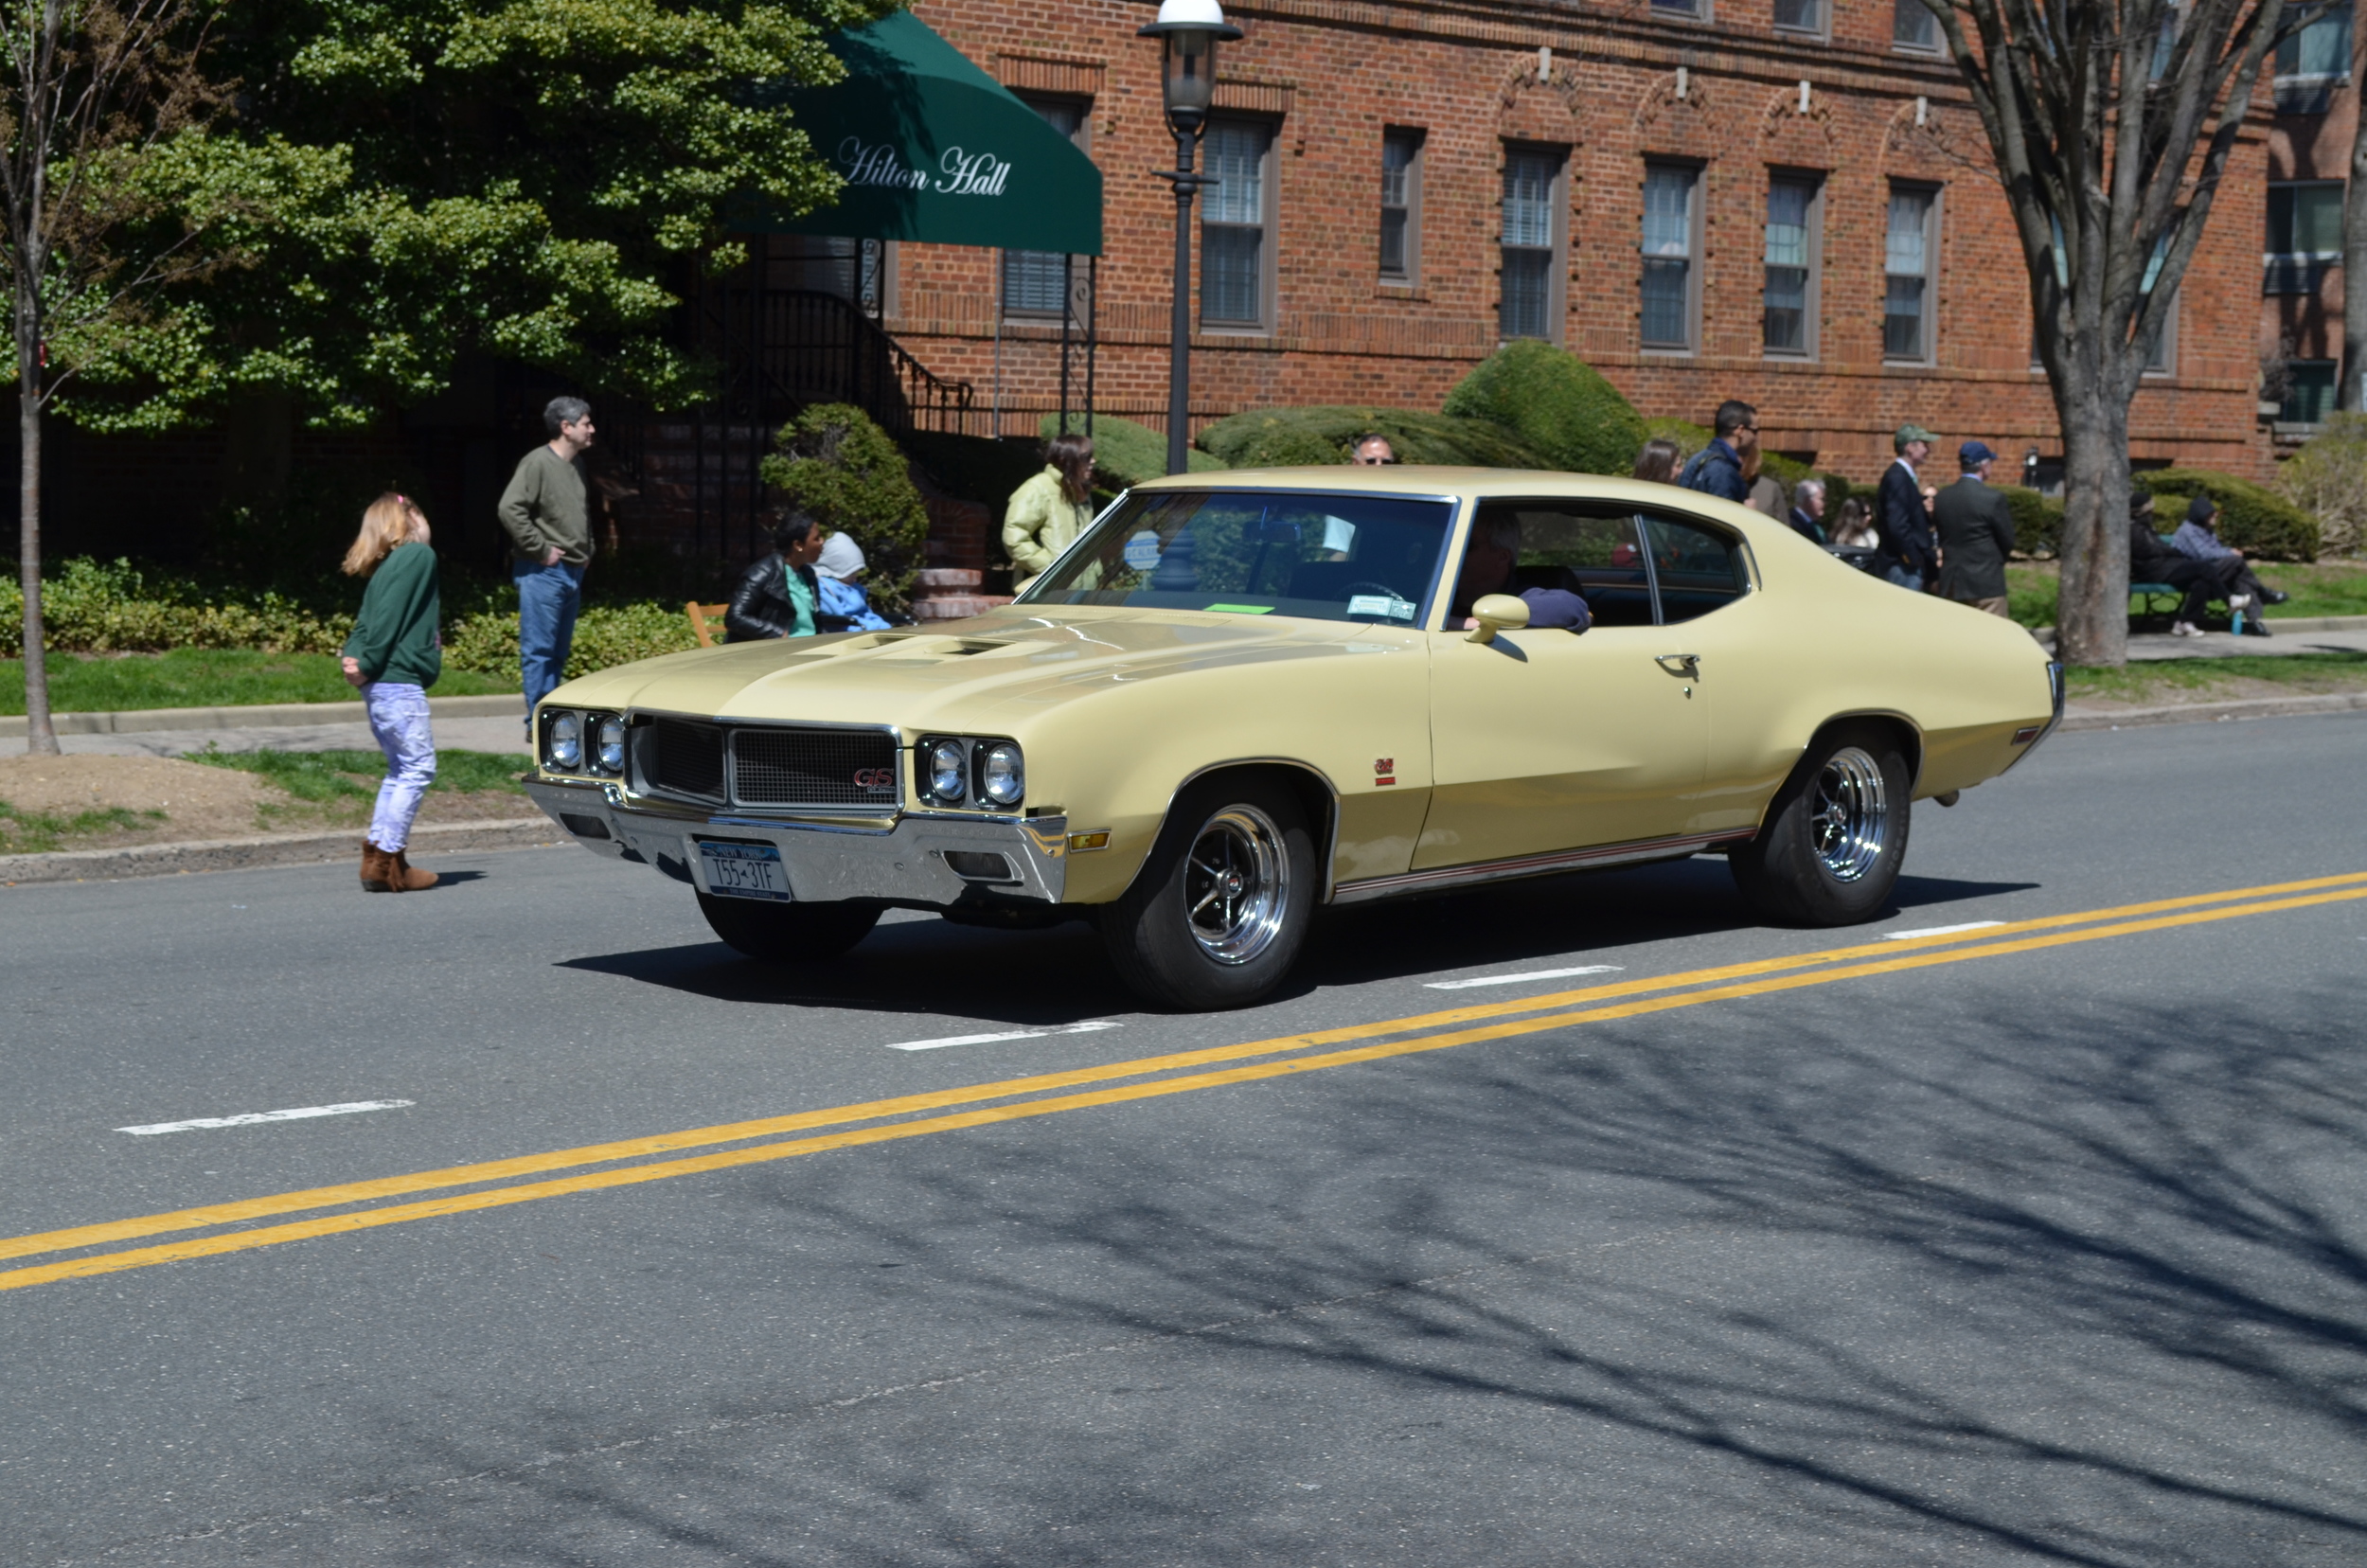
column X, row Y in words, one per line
column 1976, row 529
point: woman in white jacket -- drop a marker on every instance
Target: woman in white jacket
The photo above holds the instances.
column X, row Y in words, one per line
column 1049, row 511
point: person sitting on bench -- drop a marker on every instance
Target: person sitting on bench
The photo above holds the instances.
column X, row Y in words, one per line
column 2151, row 559
column 2197, row 539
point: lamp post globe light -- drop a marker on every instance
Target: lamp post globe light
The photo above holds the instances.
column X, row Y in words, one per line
column 1188, row 32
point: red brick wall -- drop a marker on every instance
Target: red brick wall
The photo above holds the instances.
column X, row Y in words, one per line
column 1340, row 70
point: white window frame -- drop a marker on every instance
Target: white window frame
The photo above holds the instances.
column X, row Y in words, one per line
column 1692, row 345
column 2287, row 86
column 1929, row 351
column 1557, row 251
column 1680, row 11
column 1811, row 310
column 2311, row 265
column 1415, row 139
column 1821, row 28
column 1264, row 324
column 1918, row 45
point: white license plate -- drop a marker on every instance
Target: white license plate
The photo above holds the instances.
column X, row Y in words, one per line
column 745, row 870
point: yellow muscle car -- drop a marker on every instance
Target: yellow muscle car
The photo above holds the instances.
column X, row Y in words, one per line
column 1239, row 696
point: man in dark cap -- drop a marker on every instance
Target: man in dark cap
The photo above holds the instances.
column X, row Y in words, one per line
column 1906, row 553
column 1976, row 530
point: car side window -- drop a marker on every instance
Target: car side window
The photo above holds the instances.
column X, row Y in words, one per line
column 1595, row 557
column 1698, row 569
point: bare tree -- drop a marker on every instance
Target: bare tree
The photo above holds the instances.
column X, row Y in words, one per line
column 2110, row 123
column 2350, row 395
column 94, row 88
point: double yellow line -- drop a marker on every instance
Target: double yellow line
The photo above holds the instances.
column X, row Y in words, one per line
column 497, row 1182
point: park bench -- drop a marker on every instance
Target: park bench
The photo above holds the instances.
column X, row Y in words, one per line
column 2173, row 597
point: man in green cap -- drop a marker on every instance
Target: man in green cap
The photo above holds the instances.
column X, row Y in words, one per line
column 1906, row 550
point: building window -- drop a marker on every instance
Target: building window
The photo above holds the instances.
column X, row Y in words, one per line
column 1806, row 16
column 1033, row 281
column 1531, row 243
column 2305, row 236
column 2309, row 391
column 1400, row 206
column 2312, row 63
column 1668, row 242
column 1792, row 210
column 1234, row 259
column 1914, row 26
column 1907, row 252
column 1696, row 10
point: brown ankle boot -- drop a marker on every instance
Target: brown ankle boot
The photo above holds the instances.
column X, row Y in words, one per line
column 377, row 868
column 405, row 877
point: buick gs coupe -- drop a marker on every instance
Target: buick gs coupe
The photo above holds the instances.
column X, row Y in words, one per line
column 1242, row 696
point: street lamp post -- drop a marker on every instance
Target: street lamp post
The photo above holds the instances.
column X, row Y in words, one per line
column 1188, row 31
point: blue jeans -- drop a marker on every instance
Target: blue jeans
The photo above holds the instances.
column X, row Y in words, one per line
column 1912, row 581
column 549, row 597
column 399, row 721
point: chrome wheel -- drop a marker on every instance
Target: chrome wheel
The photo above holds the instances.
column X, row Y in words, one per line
column 1237, row 885
column 1850, row 823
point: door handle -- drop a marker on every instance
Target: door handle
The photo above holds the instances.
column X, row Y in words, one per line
column 1686, row 665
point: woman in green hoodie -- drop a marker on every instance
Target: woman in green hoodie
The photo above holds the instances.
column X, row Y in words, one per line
column 396, row 652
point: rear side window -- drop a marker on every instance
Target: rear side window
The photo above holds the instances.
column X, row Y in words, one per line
column 1595, row 557
column 1696, row 568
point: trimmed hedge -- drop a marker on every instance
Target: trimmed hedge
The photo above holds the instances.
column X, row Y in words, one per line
column 2253, row 518
column 114, row 607
column 1555, row 402
column 1124, row 452
column 2037, row 522
column 1279, row 437
column 834, row 461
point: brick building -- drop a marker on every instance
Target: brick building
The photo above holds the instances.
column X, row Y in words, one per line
column 1783, row 201
column 2309, row 155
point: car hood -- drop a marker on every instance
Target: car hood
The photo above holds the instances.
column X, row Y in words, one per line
column 987, row 671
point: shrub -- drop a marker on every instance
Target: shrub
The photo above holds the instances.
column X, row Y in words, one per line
column 1690, row 438
column 2037, row 522
column 1555, row 402
column 835, row 463
column 605, row 635
column 2253, row 518
column 1264, row 437
column 1124, row 452
column 114, row 607
column 2327, row 478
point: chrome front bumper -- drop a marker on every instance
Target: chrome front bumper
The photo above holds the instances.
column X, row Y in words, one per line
column 901, row 860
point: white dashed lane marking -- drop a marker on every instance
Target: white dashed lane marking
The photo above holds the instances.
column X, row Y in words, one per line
column 1006, row 1034
column 248, row 1118
column 1526, row 974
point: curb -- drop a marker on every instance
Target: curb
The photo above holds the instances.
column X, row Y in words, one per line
column 2199, row 713
column 241, row 854
column 500, row 705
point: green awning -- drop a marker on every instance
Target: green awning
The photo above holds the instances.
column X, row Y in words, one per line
column 933, row 148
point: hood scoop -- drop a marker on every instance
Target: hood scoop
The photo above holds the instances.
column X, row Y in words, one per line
column 907, row 648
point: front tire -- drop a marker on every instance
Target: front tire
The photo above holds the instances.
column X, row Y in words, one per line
column 1835, row 836
column 787, row 933
column 1217, row 914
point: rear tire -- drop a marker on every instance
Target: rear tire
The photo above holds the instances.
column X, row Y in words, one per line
column 1836, row 834
column 1217, row 914
column 787, row 933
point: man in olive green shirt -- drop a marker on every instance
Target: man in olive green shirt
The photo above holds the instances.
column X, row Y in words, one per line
column 548, row 513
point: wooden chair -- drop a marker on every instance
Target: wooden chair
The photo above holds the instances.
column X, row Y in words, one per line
column 701, row 615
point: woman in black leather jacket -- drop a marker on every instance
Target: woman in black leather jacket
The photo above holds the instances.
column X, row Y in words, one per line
column 778, row 596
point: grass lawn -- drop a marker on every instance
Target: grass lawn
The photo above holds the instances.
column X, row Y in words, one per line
column 39, row 832
column 328, row 778
column 2327, row 588
column 2163, row 681
column 193, row 677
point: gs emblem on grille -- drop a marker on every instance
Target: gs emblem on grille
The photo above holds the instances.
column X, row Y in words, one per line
column 875, row 778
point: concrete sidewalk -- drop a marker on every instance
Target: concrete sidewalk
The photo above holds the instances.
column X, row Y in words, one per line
column 503, row 735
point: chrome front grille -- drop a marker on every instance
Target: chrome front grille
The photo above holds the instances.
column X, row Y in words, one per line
column 770, row 766
column 813, row 767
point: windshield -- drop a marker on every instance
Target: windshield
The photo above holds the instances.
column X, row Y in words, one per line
column 1258, row 552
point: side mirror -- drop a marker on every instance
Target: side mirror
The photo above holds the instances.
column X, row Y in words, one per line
column 1498, row 613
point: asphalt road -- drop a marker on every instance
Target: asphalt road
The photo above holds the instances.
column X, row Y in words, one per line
column 2043, row 1245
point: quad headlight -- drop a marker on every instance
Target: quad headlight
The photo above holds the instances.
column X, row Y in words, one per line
column 579, row 742
column 1002, row 774
column 564, row 741
column 958, row 770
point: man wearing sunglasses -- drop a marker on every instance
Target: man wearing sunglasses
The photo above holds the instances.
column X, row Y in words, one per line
column 1716, row 469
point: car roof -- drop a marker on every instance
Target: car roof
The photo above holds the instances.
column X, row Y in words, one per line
column 1479, row 482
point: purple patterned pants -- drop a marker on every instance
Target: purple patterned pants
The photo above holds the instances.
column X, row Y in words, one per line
column 399, row 720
